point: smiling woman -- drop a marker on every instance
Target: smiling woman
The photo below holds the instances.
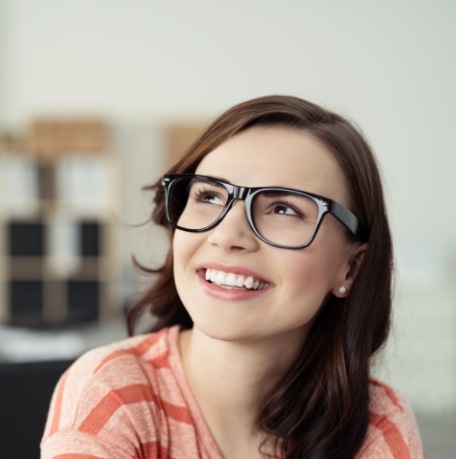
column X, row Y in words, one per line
column 274, row 297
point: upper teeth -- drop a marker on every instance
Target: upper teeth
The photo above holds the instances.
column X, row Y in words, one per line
column 234, row 280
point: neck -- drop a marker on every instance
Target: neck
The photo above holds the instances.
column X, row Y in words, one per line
column 230, row 380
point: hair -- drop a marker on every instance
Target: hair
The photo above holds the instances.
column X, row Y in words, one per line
column 320, row 408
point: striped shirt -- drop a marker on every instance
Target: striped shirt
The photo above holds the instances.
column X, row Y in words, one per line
column 131, row 399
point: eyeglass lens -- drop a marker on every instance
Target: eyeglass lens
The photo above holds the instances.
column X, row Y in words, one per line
column 280, row 217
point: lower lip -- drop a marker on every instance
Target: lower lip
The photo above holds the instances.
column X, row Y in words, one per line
column 229, row 294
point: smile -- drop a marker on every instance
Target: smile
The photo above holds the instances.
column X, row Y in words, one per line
column 231, row 280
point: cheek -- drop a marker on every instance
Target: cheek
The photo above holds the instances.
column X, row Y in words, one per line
column 180, row 249
column 183, row 244
column 306, row 289
column 184, row 247
column 313, row 274
column 179, row 258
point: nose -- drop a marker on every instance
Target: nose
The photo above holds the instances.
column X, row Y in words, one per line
column 234, row 232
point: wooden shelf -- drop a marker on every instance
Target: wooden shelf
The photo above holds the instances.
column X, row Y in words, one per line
column 58, row 262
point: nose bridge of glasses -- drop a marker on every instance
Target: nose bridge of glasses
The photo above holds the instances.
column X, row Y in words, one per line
column 238, row 193
column 235, row 193
column 241, row 193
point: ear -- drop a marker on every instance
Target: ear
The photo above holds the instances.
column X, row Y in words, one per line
column 350, row 271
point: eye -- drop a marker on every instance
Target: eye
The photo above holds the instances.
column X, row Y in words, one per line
column 211, row 198
column 283, row 209
column 207, row 195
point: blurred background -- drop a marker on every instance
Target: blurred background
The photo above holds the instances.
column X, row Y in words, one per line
column 98, row 97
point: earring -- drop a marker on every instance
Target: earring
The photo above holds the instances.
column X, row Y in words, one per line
column 342, row 290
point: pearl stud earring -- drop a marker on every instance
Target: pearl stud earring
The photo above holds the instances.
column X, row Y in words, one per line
column 342, row 290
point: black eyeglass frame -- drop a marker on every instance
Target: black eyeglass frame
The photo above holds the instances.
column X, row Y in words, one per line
column 247, row 194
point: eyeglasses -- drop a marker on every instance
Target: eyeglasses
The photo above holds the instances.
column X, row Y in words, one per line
column 282, row 217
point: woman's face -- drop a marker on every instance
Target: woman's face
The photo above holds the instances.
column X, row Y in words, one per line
column 293, row 283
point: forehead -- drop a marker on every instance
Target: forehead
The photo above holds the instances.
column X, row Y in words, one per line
column 277, row 156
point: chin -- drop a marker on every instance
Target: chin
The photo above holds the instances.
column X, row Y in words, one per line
column 222, row 331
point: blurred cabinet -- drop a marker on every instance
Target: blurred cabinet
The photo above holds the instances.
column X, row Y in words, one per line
column 59, row 256
column 179, row 137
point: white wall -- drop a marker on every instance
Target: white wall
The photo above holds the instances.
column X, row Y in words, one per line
column 388, row 65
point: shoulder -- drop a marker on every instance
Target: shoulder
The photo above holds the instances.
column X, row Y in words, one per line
column 125, row 362
column 116, row 392
column 130, row 362
column 392, row 431
column 383, row 399
column 143, row 350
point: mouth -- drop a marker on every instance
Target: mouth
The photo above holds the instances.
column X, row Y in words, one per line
column 234, row 281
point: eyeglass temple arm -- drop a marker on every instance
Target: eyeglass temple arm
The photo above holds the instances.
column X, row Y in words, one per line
column 348, row 219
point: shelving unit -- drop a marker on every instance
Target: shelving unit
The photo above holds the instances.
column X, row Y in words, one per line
column 59, row 262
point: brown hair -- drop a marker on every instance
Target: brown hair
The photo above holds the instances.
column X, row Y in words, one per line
column 320, row 409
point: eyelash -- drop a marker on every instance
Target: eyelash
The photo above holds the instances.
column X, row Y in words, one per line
column 204, row 191
column 289, row 206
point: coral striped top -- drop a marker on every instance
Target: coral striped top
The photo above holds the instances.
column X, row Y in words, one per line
column 131, row 399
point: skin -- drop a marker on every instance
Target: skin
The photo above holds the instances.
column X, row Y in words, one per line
column 242, row 341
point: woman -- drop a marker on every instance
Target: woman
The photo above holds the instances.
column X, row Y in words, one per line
column 274, row 297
